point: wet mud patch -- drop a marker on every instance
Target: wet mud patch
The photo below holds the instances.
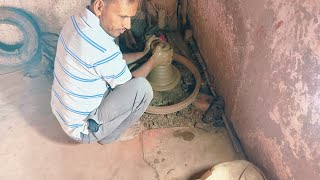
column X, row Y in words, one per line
column 187, row 136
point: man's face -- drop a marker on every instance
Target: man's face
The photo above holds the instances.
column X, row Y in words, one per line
column 116, row 16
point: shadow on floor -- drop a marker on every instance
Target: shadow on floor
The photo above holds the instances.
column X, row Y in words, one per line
column 198, row 174
column 26, row 77
column 28, row 99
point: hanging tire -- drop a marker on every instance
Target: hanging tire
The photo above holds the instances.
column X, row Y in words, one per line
column 12, row 56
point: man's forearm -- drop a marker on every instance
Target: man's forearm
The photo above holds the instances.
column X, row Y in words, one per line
column 133, row 57
column 145, row 69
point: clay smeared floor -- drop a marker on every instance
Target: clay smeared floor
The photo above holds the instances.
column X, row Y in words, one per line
column 33, row 146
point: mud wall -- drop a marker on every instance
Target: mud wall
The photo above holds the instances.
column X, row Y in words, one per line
column 264, row 57
column 49, row 14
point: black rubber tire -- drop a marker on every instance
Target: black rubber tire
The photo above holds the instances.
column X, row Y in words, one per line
column 31, row 34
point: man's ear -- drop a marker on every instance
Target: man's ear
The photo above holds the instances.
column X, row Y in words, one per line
column 97, row 7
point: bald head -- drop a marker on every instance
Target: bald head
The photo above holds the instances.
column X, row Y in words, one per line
column 115, row 15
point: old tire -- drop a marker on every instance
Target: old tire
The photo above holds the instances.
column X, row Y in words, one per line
column 30, row 46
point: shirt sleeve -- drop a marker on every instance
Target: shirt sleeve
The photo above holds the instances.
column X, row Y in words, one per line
column 113, row 69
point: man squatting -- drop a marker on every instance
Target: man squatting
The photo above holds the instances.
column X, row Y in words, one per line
column 95, row 97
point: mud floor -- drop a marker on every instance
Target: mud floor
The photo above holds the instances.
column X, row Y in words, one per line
column 187, row 117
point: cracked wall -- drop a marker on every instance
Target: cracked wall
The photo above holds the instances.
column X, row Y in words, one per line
column 264, row 57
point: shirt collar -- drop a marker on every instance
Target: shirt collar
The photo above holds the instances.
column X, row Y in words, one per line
column 92, row 20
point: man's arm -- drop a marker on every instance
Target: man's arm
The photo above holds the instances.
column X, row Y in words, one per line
column 145, row 69
column 133, row 57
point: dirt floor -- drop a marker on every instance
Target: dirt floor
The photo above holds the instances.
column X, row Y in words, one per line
column 35, row 147
column 187, row 117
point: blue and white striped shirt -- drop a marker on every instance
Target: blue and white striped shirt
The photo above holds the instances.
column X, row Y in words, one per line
column 87, row 59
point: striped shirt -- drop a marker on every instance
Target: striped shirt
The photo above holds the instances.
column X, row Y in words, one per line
column 87, row 62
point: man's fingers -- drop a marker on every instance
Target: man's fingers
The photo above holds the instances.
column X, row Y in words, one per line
column 150, row 39
column 157, row 49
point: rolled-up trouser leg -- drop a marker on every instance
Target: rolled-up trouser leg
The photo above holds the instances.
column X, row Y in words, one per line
column 124, row 105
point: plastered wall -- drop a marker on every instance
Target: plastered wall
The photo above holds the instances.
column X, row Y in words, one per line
column 264, row 57
column 49, row 14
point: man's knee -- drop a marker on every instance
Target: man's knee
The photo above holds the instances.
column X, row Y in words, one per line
column 143, row 86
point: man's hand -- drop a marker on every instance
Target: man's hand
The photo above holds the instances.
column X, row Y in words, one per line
column 162, row 55
column 147, row 47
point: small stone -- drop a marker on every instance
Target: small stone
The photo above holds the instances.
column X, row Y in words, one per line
column 202, row 102
column 184, row 87
column 187, row 79
column 188, row 34
column 203, row 82
column 156, row 161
